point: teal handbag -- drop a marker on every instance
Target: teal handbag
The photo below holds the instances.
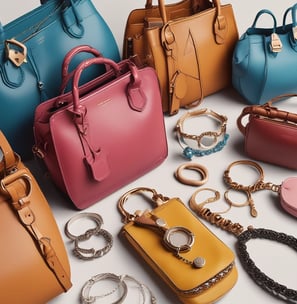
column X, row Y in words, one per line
column 32, row 49
column 265, row 60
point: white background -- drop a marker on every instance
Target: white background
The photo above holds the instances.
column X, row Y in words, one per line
column 277, row 261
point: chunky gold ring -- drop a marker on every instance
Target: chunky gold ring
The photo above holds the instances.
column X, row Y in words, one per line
column 192, row 166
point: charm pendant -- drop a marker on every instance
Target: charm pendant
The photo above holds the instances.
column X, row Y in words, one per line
column 180, row 239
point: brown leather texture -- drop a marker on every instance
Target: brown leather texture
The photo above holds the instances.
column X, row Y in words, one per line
column 34, row 262
column 192, row 53
column 178, row 275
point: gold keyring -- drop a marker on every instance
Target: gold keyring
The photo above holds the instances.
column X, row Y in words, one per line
column 198, row 207
column 250, row 188
column 192, row 166
column 248, row 202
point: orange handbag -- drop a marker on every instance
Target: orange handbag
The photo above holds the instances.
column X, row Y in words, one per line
column 33, row 257
column 190, row 45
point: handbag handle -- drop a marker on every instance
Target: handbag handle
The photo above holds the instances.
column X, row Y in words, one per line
column 196, row 5
column 220, row 23
column 275, row 42
column 9, row 158
column 293, row 10
column 157, row 200
column 262, row 12
column 293, row 27
column 267, row 110
column 135, row 95
column 71, row 18
column 66, row 76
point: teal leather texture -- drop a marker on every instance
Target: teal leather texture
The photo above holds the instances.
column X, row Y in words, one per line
column 48, row 32
column 265, row 59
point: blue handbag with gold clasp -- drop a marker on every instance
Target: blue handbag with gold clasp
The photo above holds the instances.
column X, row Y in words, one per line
column 265, row 59
column 32, row 49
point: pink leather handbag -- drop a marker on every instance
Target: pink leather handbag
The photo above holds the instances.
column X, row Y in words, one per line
column 270, row 134
column 104, row 134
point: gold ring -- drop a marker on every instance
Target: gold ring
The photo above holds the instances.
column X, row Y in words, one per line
column 192, row 166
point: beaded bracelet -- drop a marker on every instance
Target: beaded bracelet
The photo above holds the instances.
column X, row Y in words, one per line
column 207, row 142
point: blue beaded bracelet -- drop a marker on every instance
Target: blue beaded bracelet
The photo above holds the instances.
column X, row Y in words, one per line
column 202, row 149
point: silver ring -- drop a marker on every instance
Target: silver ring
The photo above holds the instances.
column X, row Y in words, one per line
column 92, row 253
column 93, row 216
column 121, row 285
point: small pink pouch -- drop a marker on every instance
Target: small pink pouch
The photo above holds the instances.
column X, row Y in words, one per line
column 288, row 195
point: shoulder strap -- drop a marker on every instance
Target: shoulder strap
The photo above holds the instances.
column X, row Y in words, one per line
column 267, row 110
column 16, row 185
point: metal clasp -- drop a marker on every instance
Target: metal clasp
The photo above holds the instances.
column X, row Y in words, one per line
column 157, row 199
column 17, row 54
column 294, row 30
column 275, row 44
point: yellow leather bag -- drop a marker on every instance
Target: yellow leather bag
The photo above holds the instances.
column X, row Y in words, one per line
column 34, row 263
column 191, row 260
column 190, row 44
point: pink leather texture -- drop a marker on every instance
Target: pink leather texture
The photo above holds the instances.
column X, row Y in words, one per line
column 108, row 132
column 271, row 141
column 288, row 195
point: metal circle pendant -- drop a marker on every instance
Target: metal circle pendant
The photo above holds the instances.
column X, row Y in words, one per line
column 179, row 239
column 199, row 262
column 256, row 274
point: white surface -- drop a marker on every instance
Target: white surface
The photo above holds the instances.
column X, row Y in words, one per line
column 277, row 261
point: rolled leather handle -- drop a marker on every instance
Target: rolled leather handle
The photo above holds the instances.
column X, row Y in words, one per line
column 9, row 158
column 66, row 76
column 78, row 71
column 135, row 95
column 267, row 110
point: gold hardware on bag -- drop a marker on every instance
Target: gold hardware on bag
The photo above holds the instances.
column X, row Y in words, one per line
column 275, row 44
column 294, row 30
column 18, row 54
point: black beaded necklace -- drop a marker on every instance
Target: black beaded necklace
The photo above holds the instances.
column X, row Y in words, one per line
column 243, row 236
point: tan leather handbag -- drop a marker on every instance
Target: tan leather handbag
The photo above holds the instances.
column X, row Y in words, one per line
column 192, row 261
column 34, row 264
column 190, row 44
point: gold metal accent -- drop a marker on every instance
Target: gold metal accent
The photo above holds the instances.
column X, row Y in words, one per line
column 195, row 167
column 275, row 44
column 214, row 135
column 214, row 217
column 249, row 189
column 17, row 54
column 157, row 199
column 168, row 241
column 294, row 30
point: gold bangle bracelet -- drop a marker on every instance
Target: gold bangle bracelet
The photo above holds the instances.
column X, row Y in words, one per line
column 207, row 142
column 195, row 167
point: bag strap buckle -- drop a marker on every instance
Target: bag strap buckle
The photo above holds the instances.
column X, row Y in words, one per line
column 294, row 30
column 17, row 54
